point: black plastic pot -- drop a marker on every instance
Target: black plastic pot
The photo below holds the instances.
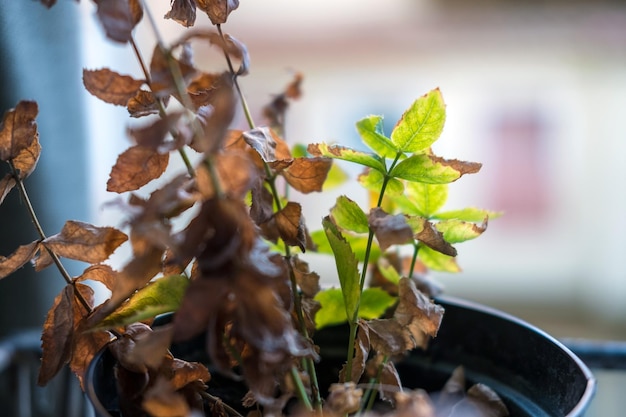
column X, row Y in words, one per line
column 534, row 374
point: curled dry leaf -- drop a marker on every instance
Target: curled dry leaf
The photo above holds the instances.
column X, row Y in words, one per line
column 143, row 103
column 162, row 83
column 17, row 259
column 217, row 10
column 308, row 281
column 307, row 174
column 26, row 160
column 119, row 18
column 389, row 229
column 290, row 224
column 154, row 134
column 135, row 167
column 235, row 171
column 100, row 273
column 110, row 86
column 434, row 239
column 275, row 111
column 85, row 242
column 183, row 12
column 267, row 144
column 344, row 398
column 18, row 129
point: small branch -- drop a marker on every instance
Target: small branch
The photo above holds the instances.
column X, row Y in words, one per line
column 42, row 236
column 300, row 390
column 215, row 400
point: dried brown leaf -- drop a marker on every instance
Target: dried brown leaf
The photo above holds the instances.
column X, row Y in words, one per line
column 389, row 229
column 6, row 185
column 308, row 174
column 413, row 404
column 261, row 208
column 57, row 336
column 99, row 273
column 85, row 242
column 416, row 312
column 463, row 167
column 344, row 398
column 276, row 109
column 202, row 89
column 188, row 372
column 236, row 173
column 123, row 348
column 433, row 238
column 18, row 129
column 151, row 347
column 487, row 400
column 17, row 259
column 118, row 18
column 26, row 160
column 162, row 400
column 162, row 83
column 143, row 103
column 85, row 344
column 308, row 281
column 183, row 12
column 154, row 134
column 136, row 167
column 290, row 225
column 110, row 86
column 42, row 259
column 217, row 10
column 216, row 117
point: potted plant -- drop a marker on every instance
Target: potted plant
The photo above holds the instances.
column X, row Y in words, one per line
column 233, row 276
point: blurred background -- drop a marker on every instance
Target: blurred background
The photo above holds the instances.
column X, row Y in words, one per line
column 535, row 90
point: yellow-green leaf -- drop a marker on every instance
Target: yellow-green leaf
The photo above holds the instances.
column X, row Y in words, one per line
column 421, row 124
column 371, row 130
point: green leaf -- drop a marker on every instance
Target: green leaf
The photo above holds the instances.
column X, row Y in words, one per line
column 425, row 169
column 373, row 181
column 358, row 244
column 336, row 177
column 428, row 198
column 348, row 215
column 437, row 261
column 456, row 231
column 347, row 154
column 374, row 302
column 371, row 130
column 470, row 214
column 347, row 266
column 160, row 296
column 420, row 125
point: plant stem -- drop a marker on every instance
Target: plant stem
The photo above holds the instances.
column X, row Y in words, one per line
column 416, row 248
column 300, row 390
column 368, row 249
column 42, row 236
column 216, row 400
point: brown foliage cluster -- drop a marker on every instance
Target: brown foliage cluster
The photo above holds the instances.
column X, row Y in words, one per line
column 240, row 293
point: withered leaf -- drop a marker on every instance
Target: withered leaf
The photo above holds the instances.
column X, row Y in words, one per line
column 415, row 311
column 85, row 242
column 389, row 229
column 487, row 400
column 17, row 259
column 6, row 185
column 276, row 109
column 57, row 336
column 123, row 348
column 187, row 372
column 463, row 167
column 216, row 117
column 99, row 273
column 26, row 159
column 218, row 10
column 433, row 238
column 18, row 129
column 290, row 225
column 344, row 398
column 143, row 103
column 42, row 259
column 267, row 144
column 261, row 208
column 308, row 281
column 414, row 403
column 110, row 86
column 154, row 134
column 162, row 83
column 361, row 353
column 202, row 88
column 235, row 174
column 161, row 400
column 136, row 167
column 85, row 344
column 308, row 174
column 151, row 347
column 183, row 12
column 118, row 18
